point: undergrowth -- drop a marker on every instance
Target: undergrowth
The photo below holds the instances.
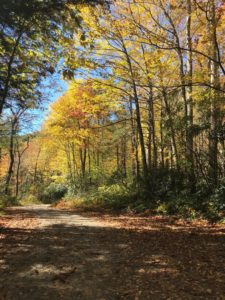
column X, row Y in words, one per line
column 6, row 200
column 164, row 192
column 166, row 199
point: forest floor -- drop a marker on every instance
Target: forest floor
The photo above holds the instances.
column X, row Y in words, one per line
column 48, row 253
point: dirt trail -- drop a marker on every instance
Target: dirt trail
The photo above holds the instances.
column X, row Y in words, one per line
column 49, row 217
column 55, row 254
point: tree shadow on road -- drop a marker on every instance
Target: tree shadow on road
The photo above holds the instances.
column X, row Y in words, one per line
column 66, row 261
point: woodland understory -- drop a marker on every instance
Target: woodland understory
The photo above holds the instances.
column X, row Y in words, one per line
column 141, row 125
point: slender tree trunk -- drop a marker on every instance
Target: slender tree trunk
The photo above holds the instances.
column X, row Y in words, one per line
column 19, row 157
column 150, row 133
column 74, row 162
column 36, row 165
column 181, row 66
column 149, row 145
column 138, row 115
column 172, row 130
column 133, row 140
column 89, row 161
column 222, row 143
column 97, row 151
column 69, row 163
column 151, row 128
column 162, row 138
column 214, row 82
column 124, row 156
column 189, row 133
column 151, row 119
column 4, row 93
column 11, row 156
column 0, row 162
column 83, row 158
column 17, row 175
column 117, row 158
column 137, row 158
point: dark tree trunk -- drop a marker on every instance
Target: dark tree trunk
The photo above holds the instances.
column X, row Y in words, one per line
column 11, row 155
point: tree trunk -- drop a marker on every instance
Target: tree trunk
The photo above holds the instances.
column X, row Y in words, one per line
column 133, row 140
column 151, row 119
column 4, row 93
column 151, row 130
column 124, row 156
column 172, row 131
column 138, row 115
column 162, row 138
column 189, row 133
column 36, row 165
column 214, row 82
column 17, row 175
column 11, row 156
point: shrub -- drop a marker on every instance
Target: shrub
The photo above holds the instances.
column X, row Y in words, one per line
column 114, row 196
column 178, row 205
column 116, row 176
column 53, row 193
column 218, row 197
column 160, row 184
column 29, row 199
column 6, row 200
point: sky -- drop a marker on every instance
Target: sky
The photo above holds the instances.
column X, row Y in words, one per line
column 52, row 88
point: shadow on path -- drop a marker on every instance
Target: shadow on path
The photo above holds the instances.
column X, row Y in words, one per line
column 72, row 257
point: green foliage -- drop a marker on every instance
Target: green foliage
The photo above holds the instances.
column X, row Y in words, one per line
column 29, row 199
column 53, row 193
column 114, row 196
column 178, row 206
column 204, row 203
column 168, row 197
column 2, row 202
column 160, row 184
column 7, row 201
column 218, row 197
column 116, row 176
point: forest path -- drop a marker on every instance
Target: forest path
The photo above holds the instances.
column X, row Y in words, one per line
column 47, row 253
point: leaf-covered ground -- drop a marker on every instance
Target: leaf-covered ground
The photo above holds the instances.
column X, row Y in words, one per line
column 48, row 253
